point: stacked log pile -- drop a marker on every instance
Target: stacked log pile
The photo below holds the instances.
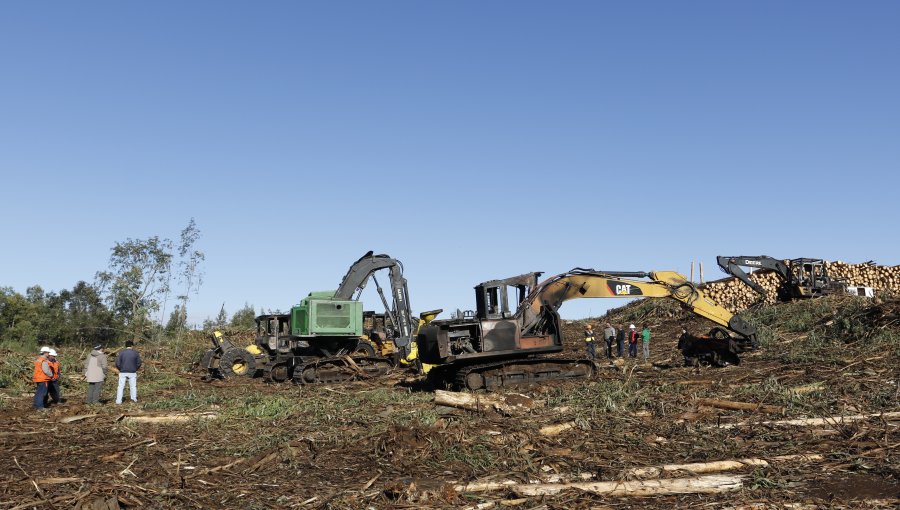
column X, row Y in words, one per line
column 734, row 295
column 880, row 278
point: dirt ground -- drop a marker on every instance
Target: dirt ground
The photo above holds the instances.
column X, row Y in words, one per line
column 385, row 444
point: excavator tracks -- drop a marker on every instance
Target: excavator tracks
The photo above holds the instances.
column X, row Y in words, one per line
column 502, row 374
column 340, row 369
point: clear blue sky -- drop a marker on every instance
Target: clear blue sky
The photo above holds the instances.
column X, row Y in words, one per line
column 471, row 140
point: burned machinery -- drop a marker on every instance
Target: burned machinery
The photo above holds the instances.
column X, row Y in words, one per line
column 501, row 345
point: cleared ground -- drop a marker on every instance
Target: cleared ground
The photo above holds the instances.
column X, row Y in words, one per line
column 385, row 444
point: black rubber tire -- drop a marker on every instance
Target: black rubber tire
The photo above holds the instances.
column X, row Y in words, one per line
column 364, row 348
column 210, row 364
column 234, row 358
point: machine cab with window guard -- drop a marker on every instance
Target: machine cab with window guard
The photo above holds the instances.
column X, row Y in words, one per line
column 492, row 298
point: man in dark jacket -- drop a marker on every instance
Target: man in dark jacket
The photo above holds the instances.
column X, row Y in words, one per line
column 53, row 386
column 684, row 344
column 128, row 362
column 620, row 342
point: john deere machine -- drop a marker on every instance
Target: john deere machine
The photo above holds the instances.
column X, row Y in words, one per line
column 800, row 278
column 328, row 337
column 500, row 345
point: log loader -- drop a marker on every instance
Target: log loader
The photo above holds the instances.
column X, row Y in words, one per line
column 324, row 338
column 801, row 278
column 499, row 345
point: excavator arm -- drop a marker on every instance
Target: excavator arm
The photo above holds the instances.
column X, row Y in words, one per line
column 732, row 266
column 358, row 275
column 540, row 308
column 400, row 312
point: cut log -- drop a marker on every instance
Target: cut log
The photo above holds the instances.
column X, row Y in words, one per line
column 555, row 430
column 808, row 388
column 473, row 402
column 649, row 472
column 482, row 506
column 697, row 485
column 495, row 485
column 55, row 481
column 172, row 418
column 694, row 485
column 814, row 422
column 485, row 486
column 718, row 466
column 739, row 406
column 71, row 419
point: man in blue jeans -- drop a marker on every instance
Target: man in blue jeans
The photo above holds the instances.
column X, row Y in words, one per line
column 43, row 374
column 53, row 386
column 128, row 362
column 589, row 342
column 632, row 341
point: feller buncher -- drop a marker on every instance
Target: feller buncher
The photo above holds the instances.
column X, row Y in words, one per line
column 328, row 337
column 499, row 345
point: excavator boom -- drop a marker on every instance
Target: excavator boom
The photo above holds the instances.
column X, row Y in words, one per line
column 401, row 311
column 588, row 283
column 732, row 266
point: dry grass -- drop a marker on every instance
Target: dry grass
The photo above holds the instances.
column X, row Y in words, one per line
column 294, row 443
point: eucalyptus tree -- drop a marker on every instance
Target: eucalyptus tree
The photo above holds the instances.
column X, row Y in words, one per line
column 137, row 278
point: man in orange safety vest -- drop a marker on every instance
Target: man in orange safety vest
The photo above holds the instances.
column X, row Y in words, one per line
column 43, row 374
column 53, row 386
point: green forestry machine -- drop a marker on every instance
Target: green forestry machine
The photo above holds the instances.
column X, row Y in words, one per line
column 328, row 337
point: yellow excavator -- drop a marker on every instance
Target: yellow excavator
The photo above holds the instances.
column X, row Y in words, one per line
column 500, row 345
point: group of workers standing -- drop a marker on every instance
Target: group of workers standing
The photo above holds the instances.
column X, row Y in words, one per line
column 47, row 372
column 611, row 336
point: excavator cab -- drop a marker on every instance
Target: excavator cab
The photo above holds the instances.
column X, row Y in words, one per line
column 810, row 278
column 492, row 297
column 273, row 332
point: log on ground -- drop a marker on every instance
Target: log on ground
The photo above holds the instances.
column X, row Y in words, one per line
column 696, row 485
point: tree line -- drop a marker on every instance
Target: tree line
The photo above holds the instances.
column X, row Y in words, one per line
column 145, row 280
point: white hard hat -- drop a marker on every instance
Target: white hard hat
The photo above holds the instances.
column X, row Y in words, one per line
column 632, row 326
column 52, row 352
column 45, row 349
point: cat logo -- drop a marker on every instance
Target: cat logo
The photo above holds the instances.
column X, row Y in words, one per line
column 623, row 289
